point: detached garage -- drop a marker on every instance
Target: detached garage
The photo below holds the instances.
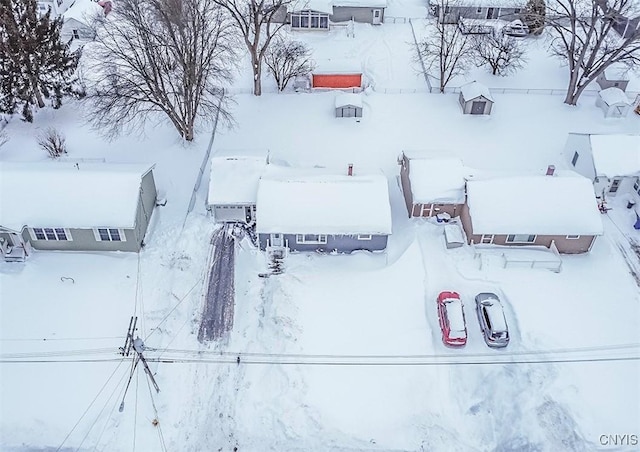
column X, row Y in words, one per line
column 337, row 74
column 613, row 102
column 349, row 105
column 475, row 99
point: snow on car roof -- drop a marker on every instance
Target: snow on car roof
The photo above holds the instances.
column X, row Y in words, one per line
column 61, row 194
column 616, row 155
column 613, row 96
column 455, row 315
column 549, row 205
column 319, row 201
column 234, row 179
column 496, row 315
column 342, row 100
column 475, row 89
column 437, row 177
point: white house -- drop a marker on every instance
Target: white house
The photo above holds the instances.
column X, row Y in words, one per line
column 611, row 161
column 613, row 102
column 317, row 209
column 233, row 187
column 57, row 7
column 80, row 21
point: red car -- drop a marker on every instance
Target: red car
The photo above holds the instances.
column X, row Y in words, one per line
column 452, row 322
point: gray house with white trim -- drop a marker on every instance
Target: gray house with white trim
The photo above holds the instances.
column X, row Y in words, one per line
column 75, row 207
column 316, row 209
column 507, row 10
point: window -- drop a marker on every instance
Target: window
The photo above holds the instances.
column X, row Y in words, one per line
column 636, row 186
column 426, row 210
column 486, row 238
column 109, row 235
column 521, row 238
column 614, row 185
column 516, row 11
column 364, row 236
column 75, row 33
column 311, row 239
column 59, row 234
column 479, row 10
column 573, row 237
column 574, row 160
column 310, row 19
column 447, row 9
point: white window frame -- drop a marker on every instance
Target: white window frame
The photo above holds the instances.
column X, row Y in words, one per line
column 365, row 236
column 575, row 158
column 484, row 238
column 56, row 232
column 321, row 240
column 518, row 238
column 75, row 33
column 96, row 234
column 426, row 209
column 572, row 237
column 309, row 15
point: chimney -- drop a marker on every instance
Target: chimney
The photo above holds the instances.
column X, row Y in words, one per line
column 350, row 170
column 551, row 169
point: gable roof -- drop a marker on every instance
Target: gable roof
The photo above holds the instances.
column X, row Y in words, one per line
column 234, row 179
column 538, row 205
column 614, row 96
column 319, row 201
column 343, row 100
column 474, row 90
column 437, row 177
column 615, row 155
column 84, row 11
column 59, row 194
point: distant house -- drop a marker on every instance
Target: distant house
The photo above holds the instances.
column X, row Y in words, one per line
column 507, row 10
column 80, row 21
column 233, row 187
column 614, row 76
column 57, row 7
column 348, row 105
column 337, row 73
column 533, row 210
column 82, row 207
column 475, row 99
column 316, row 209
column 611, row 162
column 432, row 183
column 613, row 102
column 363, row 11
column 319, row 14
column 313, row 15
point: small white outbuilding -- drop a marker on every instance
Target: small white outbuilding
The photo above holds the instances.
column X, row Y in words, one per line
column 475, row 99
column 613, row 102
column 348, row 105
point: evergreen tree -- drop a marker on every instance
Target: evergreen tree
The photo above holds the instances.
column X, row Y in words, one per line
column 534, row 16
column 34, row 63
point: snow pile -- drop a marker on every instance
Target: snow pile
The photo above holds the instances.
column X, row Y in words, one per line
column 613, row 96
column 547, row 205
column 437, row 177
column 61, row 194
column 616, row 155
column 318, row 202
column 234, row 180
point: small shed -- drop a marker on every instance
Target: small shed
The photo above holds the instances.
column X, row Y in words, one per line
column 337, row 74
column 349, row 105
column 615, row 76
column 475, row 99
column 613, row 102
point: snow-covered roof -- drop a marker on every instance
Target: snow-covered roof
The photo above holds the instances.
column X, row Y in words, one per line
column 84, row 11
column 319, row 201
column 616, row 72
column 234, row 180
column 474, row 90
column 338, row 66
column 361, row 3
column 315, row 5
column 354, row 99
column 616, row 155
column 547, row 205
column 59, row 194
column 614, row 96
column 485, row 3
column 438, row 177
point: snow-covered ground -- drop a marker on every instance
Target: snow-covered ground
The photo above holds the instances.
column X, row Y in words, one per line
column 338, row 352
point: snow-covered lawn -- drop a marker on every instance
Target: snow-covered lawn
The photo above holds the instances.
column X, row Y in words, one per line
column 417, row 397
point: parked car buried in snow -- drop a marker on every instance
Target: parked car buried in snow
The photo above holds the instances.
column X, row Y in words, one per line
column 516, row 28
column 452, row 322
column 492, row 320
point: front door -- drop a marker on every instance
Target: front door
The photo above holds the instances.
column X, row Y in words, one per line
column 377, row 17
column 276, row 240
column 477, row 108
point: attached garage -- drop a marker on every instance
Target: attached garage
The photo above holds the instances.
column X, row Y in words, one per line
column 475, row 99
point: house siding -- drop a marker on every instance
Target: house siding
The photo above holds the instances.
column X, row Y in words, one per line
column 468, row 105
column 85, row 33
column 146, row 203
column 474, row 12
column 605, row 83
column 337, row 242
column 433, row 209
column 358, row 14
column 564, row 245
column 405, row 181
column 349, row 111
column 84, row 240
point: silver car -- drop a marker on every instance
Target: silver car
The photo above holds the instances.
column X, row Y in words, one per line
column 492, row 320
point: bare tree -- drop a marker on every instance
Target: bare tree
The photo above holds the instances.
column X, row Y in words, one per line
column 161, row 56
column 502, row 53
column 258, row 21
column 4, row 137
column 287, row 59
column 445, row 48
column 584, row 36
column 52, row 142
